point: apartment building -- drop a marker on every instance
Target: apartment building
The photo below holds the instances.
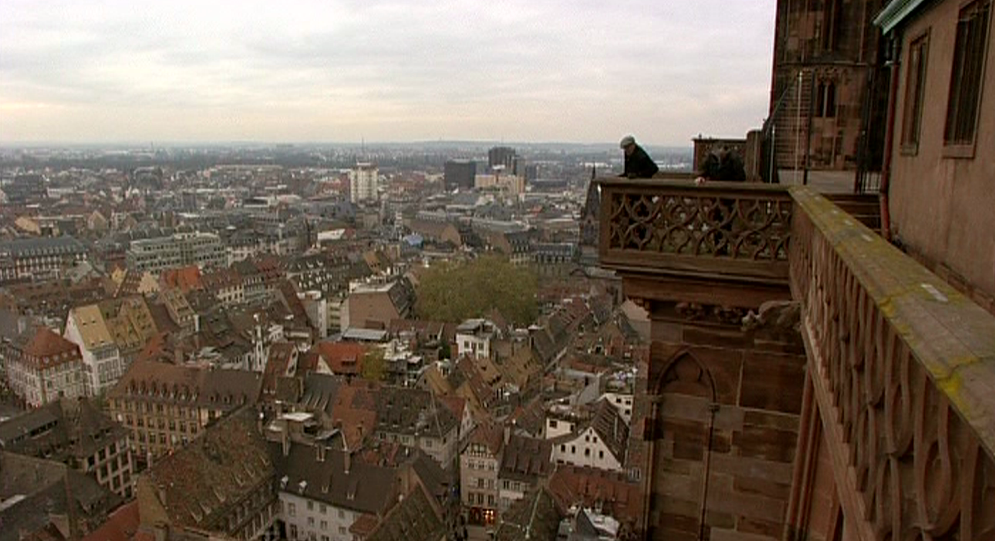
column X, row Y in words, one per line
column 178, row 250
column 74, row 432
column 165, row 406
column 42, row 367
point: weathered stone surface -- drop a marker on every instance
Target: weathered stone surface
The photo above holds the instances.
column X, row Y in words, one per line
column 763, row 487
column 766, row 443
column 773, row 382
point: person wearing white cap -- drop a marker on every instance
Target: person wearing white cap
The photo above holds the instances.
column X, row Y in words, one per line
column 638, row 163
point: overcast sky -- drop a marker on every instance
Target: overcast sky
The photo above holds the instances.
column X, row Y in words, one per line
column 412, row 70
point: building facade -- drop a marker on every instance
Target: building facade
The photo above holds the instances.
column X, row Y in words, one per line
column 102, row 362
column 38, row 258
column 74, row 432
column 459, row 174
column 42, row 367
column 479, row 466
column 166, row 406
column 157, row 254
column 364, row 179
column 826, row 82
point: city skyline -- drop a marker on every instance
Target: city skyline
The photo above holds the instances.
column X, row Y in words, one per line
column 383, row 72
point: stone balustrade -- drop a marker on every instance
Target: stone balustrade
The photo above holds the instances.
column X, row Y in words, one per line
column 902, row 366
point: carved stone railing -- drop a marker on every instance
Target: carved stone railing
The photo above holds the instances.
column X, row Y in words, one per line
column 732, row 230
column 903, row 370
column 902, row 365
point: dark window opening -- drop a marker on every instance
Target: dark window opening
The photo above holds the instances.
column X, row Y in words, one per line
column 914, row 89
column 965, row 81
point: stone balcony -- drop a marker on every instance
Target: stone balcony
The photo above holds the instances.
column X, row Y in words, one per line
column 897, row 423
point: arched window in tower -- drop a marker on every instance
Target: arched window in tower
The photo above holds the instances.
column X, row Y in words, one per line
column 825, row 99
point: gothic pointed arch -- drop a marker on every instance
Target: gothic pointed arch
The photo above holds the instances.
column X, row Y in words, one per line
column 685, row 374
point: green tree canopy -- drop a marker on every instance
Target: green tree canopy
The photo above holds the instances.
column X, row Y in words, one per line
column 455, row 292
column 374, row 365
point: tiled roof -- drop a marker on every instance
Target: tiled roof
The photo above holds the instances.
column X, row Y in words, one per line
column 60, row 429
column 536, row 514
column 42, row 246
column 414, row 517
column 612, row 428
column 220, row 389
column 526, row 459
column 92, row 327
column 185, row 278
column 49, row 345
column 122, row 525
column 201, row 483
column 592, row 487
column 412, row 411
column 341, row 357
column 334, row 479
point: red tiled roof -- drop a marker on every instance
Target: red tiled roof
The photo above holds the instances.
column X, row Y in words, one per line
column 121, row 525
column 573, row 485
column 342, row 357
column 185, row 279
column 47, row 344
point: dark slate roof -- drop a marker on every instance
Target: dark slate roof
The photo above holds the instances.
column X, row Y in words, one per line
column 612, row 429
column 40, row 246
column 414, row 517
column 410, row 411
column 60, row 430
column 169, row 383
column 526, row 459
column 533, row 517
column 42, row 486
column 320, row 392
column 201, row 483
column 360, row 486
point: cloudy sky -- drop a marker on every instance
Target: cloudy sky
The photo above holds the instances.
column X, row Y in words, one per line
column 412, row 70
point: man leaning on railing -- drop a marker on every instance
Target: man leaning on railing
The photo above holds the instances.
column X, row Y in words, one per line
column 638, row 163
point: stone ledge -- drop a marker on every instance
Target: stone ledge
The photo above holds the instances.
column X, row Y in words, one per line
column 949, row 335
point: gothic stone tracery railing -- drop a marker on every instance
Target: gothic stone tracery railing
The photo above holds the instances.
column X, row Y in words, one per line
column 722, row 228
column 903, row 369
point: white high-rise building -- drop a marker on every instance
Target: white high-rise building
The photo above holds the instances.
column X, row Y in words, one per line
column 363, row 185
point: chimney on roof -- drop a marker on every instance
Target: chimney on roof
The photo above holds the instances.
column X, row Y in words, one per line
column 285, row 440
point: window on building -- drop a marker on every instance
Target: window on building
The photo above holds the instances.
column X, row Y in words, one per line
column 965, row 80
column 310, row 522
column 324, row 525
column 825, row 99
column 310, row 505
column 832, row 22
column 292, row 511
column 914, row 90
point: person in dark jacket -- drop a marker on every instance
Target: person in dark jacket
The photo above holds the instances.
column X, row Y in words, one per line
column 723, row 164
column 638, row 163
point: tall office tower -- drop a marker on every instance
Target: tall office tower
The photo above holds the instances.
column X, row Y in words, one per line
column 828, row 96
column 460, row 174
column 363, row 182
column 498, row 156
